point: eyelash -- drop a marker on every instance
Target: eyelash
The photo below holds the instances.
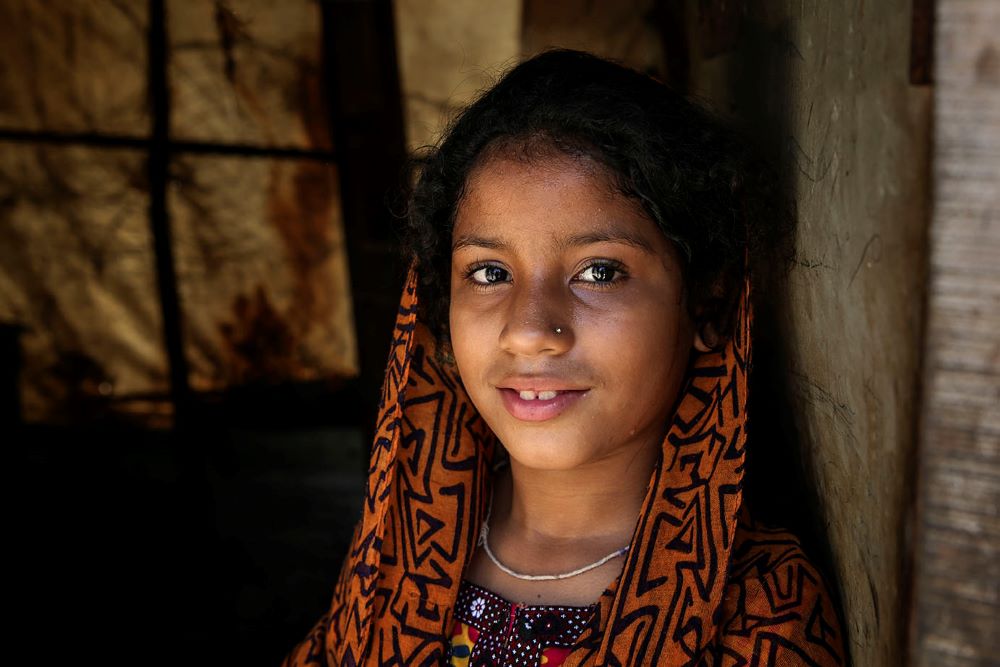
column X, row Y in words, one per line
column 620, row 274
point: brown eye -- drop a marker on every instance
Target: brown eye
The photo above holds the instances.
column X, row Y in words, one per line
column 490, row 274
column 601, row 273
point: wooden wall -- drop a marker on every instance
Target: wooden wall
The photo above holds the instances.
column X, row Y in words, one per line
column 957, row 583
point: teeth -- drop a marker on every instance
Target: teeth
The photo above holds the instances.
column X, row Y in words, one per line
column 529, row 395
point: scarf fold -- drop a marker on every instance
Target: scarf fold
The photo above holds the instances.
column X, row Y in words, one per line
column 701, row 585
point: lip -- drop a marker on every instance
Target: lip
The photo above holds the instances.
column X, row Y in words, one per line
column 521, row 383
column 538, row 410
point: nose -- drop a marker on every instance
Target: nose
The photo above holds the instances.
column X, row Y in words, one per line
column 538, row 320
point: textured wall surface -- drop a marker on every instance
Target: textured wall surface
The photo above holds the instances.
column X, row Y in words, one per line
column 449, row 51
column 957, row 589
column 259, row 243
column 855, row 297
column 859, row 134
column 77, row 271
column 262, row 271
column 619, row 29
column 74, row 66
column 830, row 83
column 248, row 71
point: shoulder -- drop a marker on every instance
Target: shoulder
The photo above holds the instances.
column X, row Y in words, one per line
column 777, row 607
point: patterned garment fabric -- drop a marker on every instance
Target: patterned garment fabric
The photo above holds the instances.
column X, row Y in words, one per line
column 702, row 584
column 491, row 631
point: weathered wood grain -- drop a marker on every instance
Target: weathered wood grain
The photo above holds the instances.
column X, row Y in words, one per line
column 956, row 618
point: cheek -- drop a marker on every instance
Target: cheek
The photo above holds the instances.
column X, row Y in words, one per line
column 653, row 351
column 468, row 331
column 651, row 321
column 457, row 335
column 457, row 322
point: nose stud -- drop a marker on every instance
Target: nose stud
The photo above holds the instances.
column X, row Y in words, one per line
column 558, row 330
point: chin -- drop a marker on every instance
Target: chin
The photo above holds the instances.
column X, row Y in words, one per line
column 539, row 453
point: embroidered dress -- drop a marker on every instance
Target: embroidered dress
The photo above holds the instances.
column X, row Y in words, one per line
column 490, row 630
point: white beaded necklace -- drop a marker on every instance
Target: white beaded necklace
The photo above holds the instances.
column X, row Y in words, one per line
column 484, row 541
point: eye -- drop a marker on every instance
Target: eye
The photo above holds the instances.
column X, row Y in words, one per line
column 490, row 274
column 603, row 273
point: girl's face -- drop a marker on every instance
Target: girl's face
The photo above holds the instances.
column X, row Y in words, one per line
column 568, row 319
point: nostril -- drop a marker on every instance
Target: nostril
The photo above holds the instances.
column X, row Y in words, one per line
column 529, row 339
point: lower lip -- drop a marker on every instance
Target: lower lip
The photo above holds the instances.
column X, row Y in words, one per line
column 539, row 410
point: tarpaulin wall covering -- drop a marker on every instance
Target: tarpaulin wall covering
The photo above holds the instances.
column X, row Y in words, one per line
column 253, row 204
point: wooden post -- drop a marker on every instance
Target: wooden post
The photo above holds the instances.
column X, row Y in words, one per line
column 957, row 518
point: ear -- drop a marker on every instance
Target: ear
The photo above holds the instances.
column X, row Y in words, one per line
column 706, row 338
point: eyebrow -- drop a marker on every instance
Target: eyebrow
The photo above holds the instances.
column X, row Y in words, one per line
column 470, row 240
column 610, row 236
column 575, row 241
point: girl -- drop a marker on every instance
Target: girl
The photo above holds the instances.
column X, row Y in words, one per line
column 557, row 476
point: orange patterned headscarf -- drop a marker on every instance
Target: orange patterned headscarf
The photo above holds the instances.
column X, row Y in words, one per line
column 702, row 584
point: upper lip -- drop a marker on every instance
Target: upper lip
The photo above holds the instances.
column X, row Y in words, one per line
column 539, row 383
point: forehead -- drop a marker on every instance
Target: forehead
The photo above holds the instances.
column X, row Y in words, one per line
column 530, row 201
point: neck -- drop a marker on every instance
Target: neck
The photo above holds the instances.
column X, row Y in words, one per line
column 599, row 502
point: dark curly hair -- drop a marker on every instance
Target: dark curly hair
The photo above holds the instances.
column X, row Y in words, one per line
column 691, row 173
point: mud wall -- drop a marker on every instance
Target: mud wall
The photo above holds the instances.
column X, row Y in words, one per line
column 828, row 86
